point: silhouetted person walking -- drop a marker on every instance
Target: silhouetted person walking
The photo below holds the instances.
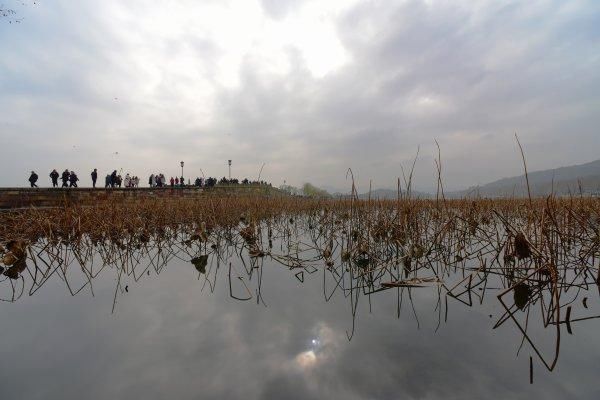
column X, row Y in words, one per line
column 94, row 178
column 107, row 181
column 73, row 179
column 113, row 179
column 65, row 178
column 33, row 179
column 54, row 176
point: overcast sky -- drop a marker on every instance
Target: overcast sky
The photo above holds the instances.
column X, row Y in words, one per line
column 309, row 88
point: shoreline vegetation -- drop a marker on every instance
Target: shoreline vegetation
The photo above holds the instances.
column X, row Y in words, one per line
column 535, row 249
column 539, row 254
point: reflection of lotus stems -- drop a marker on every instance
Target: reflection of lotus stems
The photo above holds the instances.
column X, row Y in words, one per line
column 536, row 250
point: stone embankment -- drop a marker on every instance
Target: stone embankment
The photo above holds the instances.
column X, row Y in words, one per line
column 57, row 197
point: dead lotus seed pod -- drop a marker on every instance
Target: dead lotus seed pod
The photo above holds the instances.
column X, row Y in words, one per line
column 522, row 247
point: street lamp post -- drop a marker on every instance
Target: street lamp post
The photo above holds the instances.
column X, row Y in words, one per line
column 229, row 162
column 181, row 168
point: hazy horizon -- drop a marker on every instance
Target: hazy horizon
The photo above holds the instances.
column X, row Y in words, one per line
column 308, row 88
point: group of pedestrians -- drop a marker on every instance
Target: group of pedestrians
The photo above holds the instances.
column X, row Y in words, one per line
column 68, row 178
column 177, row 181
column 114, row 179
column 131, row 181
column 157, row 180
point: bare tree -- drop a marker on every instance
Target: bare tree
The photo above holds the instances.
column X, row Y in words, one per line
column 10, row 15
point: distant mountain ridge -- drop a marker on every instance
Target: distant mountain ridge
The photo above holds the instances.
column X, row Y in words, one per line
column 385, row 194
column 560, row 181
column 574, row 179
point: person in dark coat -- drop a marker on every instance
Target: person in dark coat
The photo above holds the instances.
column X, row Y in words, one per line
column 65, row 178
column 73, row 179
column 107, row 181
column 94, row 178
column 113, row 179
column 33, row 179
column 54, row 176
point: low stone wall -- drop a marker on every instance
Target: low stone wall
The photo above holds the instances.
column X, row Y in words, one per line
column 56, row 197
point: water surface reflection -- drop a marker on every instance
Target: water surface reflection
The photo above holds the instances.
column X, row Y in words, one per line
column 292, row 309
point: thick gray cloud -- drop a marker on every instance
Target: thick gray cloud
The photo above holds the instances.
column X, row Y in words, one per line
column 309, row 89
column 279, row 8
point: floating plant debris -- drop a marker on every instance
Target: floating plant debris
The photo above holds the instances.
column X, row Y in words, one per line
column 462, row 250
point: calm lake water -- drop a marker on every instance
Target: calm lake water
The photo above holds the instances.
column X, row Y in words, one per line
column 181, row 334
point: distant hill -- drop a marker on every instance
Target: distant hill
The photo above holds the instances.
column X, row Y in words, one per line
column 385, row 194
column 560, row 181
